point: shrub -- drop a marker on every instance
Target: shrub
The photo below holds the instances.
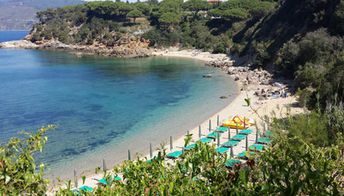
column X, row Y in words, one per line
column 19, row 174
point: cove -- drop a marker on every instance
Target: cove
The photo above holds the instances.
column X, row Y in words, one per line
column 104, row 106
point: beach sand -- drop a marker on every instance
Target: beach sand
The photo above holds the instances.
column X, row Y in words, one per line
column 278, row 106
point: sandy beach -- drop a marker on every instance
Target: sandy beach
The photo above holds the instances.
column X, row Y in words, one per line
column 277, row 105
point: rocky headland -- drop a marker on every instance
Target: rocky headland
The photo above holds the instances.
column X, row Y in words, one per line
column 127, row 46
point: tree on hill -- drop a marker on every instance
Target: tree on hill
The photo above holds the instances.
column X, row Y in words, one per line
column 170, row 19
column 196, row 6
column 134, row 14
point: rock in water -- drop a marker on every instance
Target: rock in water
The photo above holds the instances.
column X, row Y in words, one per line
column 19, row 44
column 207, row 76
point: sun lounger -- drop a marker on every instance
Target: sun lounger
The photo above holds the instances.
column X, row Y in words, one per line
column 175, row 154
column 238, row 137
column 206, row 140
column 190, row 147
column 230, row 163
column 246, row 132
column 230, row 143
column 257, row 147
column 86, row 188
column 243, row 155
column 264, row 140
column 222, row 129
column 221, row 150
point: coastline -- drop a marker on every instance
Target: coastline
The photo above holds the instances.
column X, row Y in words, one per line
column 237, row 106
column 247, row 88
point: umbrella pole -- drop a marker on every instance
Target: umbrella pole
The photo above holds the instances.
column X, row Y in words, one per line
column 199, row 131
column 75, row 180
column 218, row 120
column 150, row 150
column 229, row 134
column 171, row 143
column 209, row 125
column 104, row 165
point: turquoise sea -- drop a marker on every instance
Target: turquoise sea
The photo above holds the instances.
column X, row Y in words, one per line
column 103, row 106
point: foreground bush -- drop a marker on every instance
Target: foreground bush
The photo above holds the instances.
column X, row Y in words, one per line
column 19, row 174
column 290, row 167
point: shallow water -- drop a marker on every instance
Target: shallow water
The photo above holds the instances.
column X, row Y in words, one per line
column 103, row 106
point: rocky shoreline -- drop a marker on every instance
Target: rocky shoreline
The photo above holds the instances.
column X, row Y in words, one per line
column 258, row 80
column 129, row 47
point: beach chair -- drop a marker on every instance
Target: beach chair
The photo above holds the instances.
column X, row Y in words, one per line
column 206, row 140
column 264, row 140
column 257, row 147
column 190, row 147
column 245, row 132
column 230, row 143
column 243, row 155
column 238, row 137
column 175, row 154
column 221, row 150
column 222, row 129
column 230, row 163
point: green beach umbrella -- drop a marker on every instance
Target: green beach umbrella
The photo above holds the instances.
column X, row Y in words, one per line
column 257, row 147
column 86, row 188
column 246, row 132
column 238, row 137
column 221, row 150
column 221, row 129
column 232, row 162
column 230, row 143
column 243, row 155
column 214, row 135
column 264, row 140
column 103, row 181
column 175, row 154
column 190, row 147
column 206, row 140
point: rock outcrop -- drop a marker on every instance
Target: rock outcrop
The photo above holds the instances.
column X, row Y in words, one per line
column 19, row 44
column 221, row 63
column 127, row 46
column 242, row 74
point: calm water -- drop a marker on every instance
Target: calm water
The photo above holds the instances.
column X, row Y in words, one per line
column 12, row 35
column 103, row 106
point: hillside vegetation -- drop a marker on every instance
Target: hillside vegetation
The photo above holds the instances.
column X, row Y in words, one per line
column 301, row 161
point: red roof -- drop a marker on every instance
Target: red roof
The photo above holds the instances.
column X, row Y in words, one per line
column 214, row 1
